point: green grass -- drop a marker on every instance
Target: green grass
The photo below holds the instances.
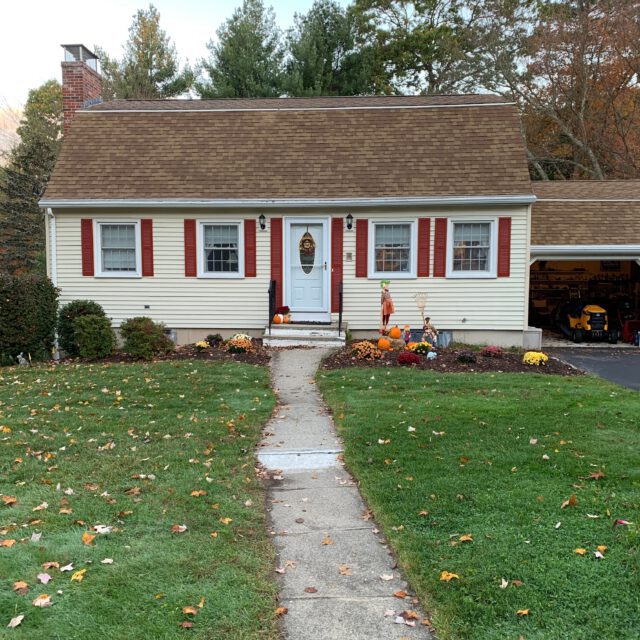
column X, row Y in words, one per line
column 484, row 476
column 193, row 426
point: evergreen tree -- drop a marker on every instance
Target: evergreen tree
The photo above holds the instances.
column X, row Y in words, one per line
column 247, row 60
column 324, row 58
column 150, row 68
column 25, row 177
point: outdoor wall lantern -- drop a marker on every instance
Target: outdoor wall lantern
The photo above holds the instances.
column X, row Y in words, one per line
column 263, row 222
column 349, row 222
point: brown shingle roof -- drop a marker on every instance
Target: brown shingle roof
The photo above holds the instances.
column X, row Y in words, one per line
column 586, row 212
column 301, row 153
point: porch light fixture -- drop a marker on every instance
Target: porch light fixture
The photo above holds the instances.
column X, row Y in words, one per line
column 349, row 222
column 262, row 221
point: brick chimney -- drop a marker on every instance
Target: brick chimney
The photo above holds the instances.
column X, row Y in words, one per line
column 81, row 81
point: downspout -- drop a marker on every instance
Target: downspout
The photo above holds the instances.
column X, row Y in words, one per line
column 53, row 249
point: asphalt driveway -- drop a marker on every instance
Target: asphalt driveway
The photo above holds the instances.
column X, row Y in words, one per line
column 618, row 365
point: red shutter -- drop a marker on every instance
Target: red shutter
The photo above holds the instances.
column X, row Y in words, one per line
column 362, row 247
column 146, row 240
column 424, row 240
column 190, row 259
column 276, row 257
column 504, row 247
column 250, row 248
column 337, row 227
column 86, row 241
column 440, row 248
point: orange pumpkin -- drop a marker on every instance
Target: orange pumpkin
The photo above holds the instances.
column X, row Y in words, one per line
column 395, row 332
column 277, row 319
column 384, row 344
column 411, row 344
column 287, row 319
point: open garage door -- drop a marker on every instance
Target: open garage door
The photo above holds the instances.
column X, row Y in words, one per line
column 586, row 300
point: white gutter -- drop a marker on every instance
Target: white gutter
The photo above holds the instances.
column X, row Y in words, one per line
column 291, row 203
column 53, row 247
column 577, row 251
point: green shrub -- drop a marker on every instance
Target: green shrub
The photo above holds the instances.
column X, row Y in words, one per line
column 28, row 305
column 144, row 338
column 94, row 336
column 66, row 318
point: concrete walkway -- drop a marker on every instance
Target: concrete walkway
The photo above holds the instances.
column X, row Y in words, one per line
column 331, row 560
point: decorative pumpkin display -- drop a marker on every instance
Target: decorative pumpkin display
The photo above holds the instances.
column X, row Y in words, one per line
column 287, row 319
column 384, row 344
column 395, row 332
column 277, row 319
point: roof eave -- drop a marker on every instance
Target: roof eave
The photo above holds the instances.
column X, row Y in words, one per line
column 288, row 203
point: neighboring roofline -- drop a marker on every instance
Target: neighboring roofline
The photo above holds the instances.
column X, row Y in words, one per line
column 336, row 108
column 290, row 203
column 576, row 251
column 543, row 199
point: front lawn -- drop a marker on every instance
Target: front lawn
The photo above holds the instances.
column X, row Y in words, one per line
column 468, row 474
column 101, row 466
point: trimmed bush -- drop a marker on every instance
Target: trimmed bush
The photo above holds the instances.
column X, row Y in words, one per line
column 28, row 306
column 214, row 339
column 144, row 338
column 467, row 357
column 492, row 351
column 94, row 336
column 407, row 358
column 66, row 318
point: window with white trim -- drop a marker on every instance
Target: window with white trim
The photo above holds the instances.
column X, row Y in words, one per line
column 393, row 249
column 118, row 248
column 472, row 248
column 221, row 249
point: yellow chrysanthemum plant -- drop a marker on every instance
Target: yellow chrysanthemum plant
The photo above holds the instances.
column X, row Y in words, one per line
column 535, row 358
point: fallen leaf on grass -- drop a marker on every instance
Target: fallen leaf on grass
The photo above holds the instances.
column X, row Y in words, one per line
column 14, row 622
column 597, row 475
column 87, row 538
column 522, row 612
column 21, row 587
column 107, row 561
column 572, row 501
column 43, row 600
column 467, row 537
column 41, row 507
column 7, row 543
column 78, row 576
column 447, row 576
column 344, row 570
column 44, row 578
column 580, row 551
column 226, row 520
column 9, row 500
column 504, row 583
column 214, row 534
column 201, row 603
column 186, row 624
column 517, row 583
column 198, row 493
column 178, row 528
column 67, row 567
column 282, row 611
column 602, row 548
column 51, row 565
column 193, row 611
column 327, row 540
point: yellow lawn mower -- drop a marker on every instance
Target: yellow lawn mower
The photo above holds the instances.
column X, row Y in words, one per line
column 580, row 321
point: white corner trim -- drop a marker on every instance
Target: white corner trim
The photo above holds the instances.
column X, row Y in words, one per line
column 550, row 251
column 53, row 246
column 290, row 203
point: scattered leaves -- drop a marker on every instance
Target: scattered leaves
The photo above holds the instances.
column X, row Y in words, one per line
column 344, row 570
column 572, row 501
column 447, row 576
column 522, row 612
column 327, row 540
column 78, row 576
column 43, row 600
column 14, row 622
column 87, row 538
column 178, row 528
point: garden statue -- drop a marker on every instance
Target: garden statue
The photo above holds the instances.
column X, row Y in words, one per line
column 386, row 306
column 429, row 332
column 22, row 361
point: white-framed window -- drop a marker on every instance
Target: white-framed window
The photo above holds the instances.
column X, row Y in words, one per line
column 220, row 249
column 117, row 250
column 392, row 249
column 471, row 248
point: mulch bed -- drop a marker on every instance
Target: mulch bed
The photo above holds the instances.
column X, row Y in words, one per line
column 189, row 352
column 447, row 361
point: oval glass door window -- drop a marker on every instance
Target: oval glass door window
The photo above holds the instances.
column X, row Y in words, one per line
column 307, row 252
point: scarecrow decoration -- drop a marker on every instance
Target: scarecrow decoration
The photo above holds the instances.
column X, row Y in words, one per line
column 429, row 332
column 386, row 306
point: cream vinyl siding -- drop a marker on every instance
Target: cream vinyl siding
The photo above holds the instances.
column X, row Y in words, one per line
column 242, row 303
column 179, row 302
column 483, row 303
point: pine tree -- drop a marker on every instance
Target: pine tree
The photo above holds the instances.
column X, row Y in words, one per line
column 150, row 68
column 247, row 60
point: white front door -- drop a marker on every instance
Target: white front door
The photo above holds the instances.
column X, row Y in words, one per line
column 307, row 269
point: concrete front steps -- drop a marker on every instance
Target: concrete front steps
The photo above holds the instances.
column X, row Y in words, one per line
column 304, row 335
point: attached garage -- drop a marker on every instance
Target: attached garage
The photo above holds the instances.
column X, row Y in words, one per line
column 585, row 252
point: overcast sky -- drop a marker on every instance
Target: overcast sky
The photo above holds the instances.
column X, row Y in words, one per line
column 31, row 32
